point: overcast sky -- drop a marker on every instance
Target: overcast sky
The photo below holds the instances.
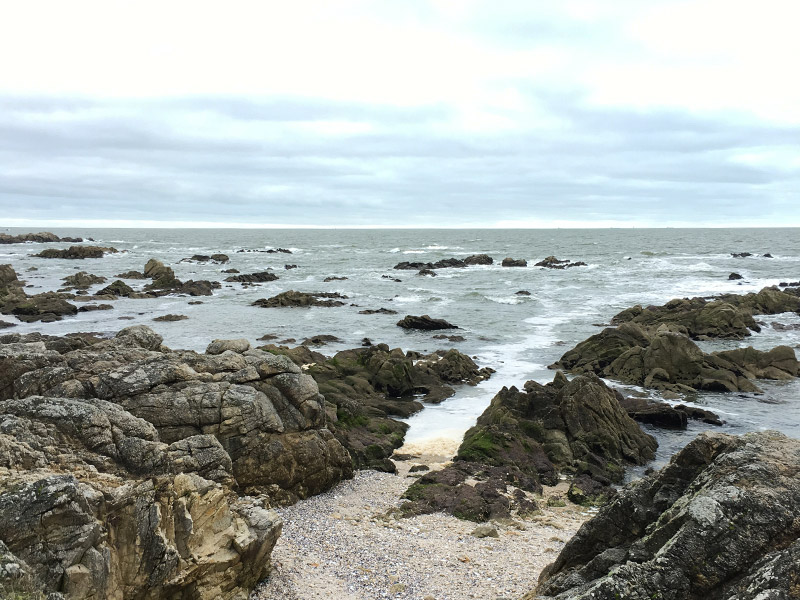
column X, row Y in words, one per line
column 425, row 113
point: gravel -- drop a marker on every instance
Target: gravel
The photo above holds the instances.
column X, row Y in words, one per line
column 350, row 544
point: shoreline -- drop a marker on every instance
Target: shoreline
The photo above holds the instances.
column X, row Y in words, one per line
column 350, row 544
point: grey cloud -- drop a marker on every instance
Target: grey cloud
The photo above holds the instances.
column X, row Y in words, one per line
column 130, row 159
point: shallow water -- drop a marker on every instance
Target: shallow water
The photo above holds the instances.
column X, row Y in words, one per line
column 516, row 335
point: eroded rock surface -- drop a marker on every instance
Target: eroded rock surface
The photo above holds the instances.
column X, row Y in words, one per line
column 122, row 463
column 719, row 521
column 665, row 360
column 526, row 438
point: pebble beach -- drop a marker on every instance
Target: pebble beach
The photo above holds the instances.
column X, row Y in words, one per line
column 351, row 544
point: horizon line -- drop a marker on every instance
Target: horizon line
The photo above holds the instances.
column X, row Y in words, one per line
column 522, row 224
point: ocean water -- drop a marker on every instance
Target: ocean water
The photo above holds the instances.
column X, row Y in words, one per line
column 516, row 335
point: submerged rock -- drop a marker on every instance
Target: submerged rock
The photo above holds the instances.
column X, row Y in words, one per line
column 719, row 521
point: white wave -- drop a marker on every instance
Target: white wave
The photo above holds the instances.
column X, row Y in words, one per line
column 414, row 252
column 505, row 299
column 394, row 250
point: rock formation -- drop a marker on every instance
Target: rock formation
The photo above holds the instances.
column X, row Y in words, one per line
column 260, row 277
column 728, row 316
column 551, row 262
column 119, row 460
column 42, row 237
column 514, row 262
column 524, row 439
column 671, row 361
column 719, row 521
column 77, row 252
column 45, row 307
column 365, row 387
column 425, row 323
column 301, row 299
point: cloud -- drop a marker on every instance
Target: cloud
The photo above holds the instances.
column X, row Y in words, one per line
column 420, row 114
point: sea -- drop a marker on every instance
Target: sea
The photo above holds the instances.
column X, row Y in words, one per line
column 517, row 335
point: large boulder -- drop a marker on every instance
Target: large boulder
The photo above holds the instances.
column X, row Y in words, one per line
column 526, row 438
column 720, row 521
column 424, row 323
column 265, row 412
column 91, row 537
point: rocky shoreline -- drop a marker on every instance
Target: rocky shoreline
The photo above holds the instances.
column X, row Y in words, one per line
column 132, row 470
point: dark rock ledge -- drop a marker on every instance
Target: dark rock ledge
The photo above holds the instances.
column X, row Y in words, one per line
column 719, row 521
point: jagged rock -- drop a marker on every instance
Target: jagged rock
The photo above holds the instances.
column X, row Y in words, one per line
column 334, row 278
column 131, row 275
column 175, row 536
column 6, row 324
column 82, row 280
column 288, row 267
column 525, row 438
column 446, row 263
column 42, row 237
column 661, row 414
column 379, row 311
column 260, row 277
column 320, row 340
column 741, row 254
column 719, row 521
column 514, row 262
column 265, row 412
column 219, row 346
column 77, row 252
column 551, row 262
column 425, row 323
column 301, row 299
column 734, row 277
column 367, row 386
column 479, row 259
column 93, row 307
column 671, row 361
column 522, row 293
column 426, row 272
column 117, row 288
column 170, row 318
column 215, row 258
column 729, row 316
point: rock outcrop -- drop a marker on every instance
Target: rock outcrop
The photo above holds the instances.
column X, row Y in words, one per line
column 365, row 387
column 82, row 280
column 719, row 521
column 77, row 252
column 514, row 262
column 292, row 298
column 219, row 259
column 728, row 316
column 42, row 237
column 526, row 438
column 260, row 277
column 551, row 262
column 671, row 361
column 123, row 464
column 424, row 323
column 265, row 412
column 45, row 307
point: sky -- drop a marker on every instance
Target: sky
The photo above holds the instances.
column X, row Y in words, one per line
column 420, row 113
